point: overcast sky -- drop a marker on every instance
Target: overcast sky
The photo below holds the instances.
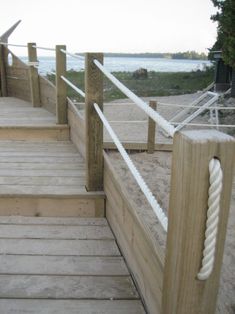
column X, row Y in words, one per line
column 111, row 25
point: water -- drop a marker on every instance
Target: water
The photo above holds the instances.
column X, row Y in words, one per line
column 128, row 64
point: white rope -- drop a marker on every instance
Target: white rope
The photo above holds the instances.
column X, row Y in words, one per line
column 206, row 125
column 51, row 73
column 44, row 48
column 188, row 106
column 182, row 113
column 143, row 186
column 78, row 90
column 72, row 54
column 164, row 124
column 196, row 113
column 215, row 189
column 12, row 45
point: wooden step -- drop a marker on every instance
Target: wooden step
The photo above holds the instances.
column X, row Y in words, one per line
column 63, row 265
column 34, row 132
column 51, row 204
column 45, row 179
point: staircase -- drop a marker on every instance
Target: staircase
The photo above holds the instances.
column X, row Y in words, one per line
column 57, row 251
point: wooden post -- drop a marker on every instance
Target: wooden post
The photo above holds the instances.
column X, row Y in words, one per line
column 94, row 126
column 151, row 130
column 3, row 71
column 61, row 87
column 33, row 75
column 183, row 293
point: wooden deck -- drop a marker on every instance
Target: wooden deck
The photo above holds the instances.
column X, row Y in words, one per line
column 15, row 112
column 63, row 265
column 64, row 260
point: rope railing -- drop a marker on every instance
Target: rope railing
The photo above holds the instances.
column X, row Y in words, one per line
column 216, row 177
column 177, row 123
column 51, row 73
column 186, row 110
column 44, row 48
column 194, row 107
column 164, row 124
column 142, row 184
column 78, row 90
column 206, row 124
column 13, row 45
column 196, row 113
column 72, row 55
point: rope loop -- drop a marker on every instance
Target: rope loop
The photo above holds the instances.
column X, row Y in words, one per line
column 216, row 177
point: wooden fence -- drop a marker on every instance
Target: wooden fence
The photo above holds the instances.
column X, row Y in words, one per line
column 23, row 81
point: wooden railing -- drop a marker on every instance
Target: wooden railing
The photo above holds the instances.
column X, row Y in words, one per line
column 182, row 291
column 179, row 290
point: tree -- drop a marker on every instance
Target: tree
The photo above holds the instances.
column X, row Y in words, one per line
column 226, row 30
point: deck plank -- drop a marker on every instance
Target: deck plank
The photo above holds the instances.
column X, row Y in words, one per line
column 55, row 232
column 59, row 247
column 71, row 306
column 74, row 221
column 67, row 287
column 63, row 265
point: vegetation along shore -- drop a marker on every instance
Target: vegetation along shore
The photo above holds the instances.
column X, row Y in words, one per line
column 151, row 84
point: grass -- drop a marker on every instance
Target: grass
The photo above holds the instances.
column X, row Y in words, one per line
column 157, row 83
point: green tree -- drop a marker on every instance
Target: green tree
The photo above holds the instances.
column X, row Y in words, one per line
column 226, row 30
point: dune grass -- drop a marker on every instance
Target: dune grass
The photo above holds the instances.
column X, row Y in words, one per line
column 156, row 84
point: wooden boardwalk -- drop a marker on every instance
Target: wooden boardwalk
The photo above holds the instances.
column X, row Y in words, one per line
column 63, row 265
column 15, row 111
column 66, row 259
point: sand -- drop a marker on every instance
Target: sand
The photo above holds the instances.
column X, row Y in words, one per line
column 156, row 170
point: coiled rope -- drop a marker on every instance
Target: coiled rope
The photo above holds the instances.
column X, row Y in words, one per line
column 215, row 189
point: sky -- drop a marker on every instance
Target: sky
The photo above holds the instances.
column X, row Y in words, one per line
column 111, row 25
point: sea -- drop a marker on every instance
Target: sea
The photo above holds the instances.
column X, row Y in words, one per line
column 127, row 64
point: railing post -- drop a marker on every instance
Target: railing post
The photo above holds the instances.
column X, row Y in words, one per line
column 94, row 126
column 183, row 292
column 61, row 87
column 151, row 129
column 3, row 87
column 33, row 75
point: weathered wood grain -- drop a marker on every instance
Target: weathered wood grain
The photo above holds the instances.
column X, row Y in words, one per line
column 74, row 221
column 151, row 130
column 59, row 247
column 63, row 265
column 94, row 126
column 72, row 287
column 193, row 150
column 71, row 306
column 61, row 87
column 48, row 95
column 142, row 253
column 55, row 232
column 33, row 76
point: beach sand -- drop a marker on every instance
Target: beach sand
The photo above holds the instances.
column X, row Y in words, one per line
column 156, row 170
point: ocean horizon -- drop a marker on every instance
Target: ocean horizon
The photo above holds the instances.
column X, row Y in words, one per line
column 127, row 64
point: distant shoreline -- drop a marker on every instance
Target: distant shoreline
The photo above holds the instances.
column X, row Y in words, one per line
column 188, row 55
